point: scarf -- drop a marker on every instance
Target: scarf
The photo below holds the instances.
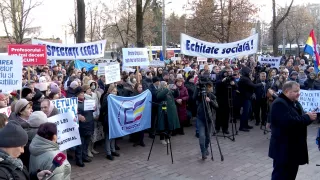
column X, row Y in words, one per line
column 14, row 161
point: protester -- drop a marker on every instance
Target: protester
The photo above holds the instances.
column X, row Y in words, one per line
column 44, row 148
column 168, row 121
column 86, row 128
column 48, row 108
column 109, row 143
column 288, row 143
column 11, row 147
column 138, row 136
column 181, row 104
column 22, row 112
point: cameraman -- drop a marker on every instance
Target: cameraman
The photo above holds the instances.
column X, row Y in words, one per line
column 205, row 86
column 222, row 89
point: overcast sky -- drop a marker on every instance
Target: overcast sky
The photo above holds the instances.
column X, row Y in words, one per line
column 54, row 15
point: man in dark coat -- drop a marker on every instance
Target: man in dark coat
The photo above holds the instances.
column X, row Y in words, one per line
column 261, row 100
column 154, row 111
column 246, row 88
column 288, row 143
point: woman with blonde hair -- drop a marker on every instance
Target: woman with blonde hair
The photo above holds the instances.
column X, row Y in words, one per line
column 110, row 143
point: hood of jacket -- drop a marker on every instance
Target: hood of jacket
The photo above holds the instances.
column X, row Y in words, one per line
column 40, row 145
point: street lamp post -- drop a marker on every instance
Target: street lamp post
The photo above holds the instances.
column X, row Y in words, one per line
column 164, row 38
column 164, row 30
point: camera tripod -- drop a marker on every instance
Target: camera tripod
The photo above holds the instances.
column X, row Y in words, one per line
column 166, row 133
column 207, row 108
column 233, row 121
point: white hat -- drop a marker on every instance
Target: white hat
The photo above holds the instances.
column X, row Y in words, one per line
column 37, row 118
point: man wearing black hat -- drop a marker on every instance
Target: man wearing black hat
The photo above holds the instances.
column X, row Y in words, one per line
column 11, row 147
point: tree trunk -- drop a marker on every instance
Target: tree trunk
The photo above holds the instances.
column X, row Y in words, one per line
column 139, row 24
column 81, row 21
column 274, row 30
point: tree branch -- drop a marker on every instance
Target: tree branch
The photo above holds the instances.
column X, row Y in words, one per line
column 284, row 16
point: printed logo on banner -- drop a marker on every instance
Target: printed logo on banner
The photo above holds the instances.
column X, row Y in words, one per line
column 128, row 115
column 132, row 112
column 31, row 54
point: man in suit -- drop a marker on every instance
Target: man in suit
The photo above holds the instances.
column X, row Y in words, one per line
column 288, row 143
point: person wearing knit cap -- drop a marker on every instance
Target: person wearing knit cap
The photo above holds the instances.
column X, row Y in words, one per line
column 3, row 101
column 37, row 118
column 11, row 147
column 27, row 93
column 55, row 88
column 294, row 76
column 73, row 89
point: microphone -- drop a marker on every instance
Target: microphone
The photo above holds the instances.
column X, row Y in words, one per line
column 56, row 162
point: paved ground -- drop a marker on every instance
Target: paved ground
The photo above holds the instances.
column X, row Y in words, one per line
column 244, row 159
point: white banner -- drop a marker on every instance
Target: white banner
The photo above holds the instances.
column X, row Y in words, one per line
column 175, row 58
column 101, row 66
column 155, row 63
column 10, row 73
column 112, row 73
column 67, row 104
column 135, row 57
column 199, row 59
column 6, row 111
column 59, row 51
column 194, row 47
column 273, row 61
column 310, row 100
column 68, row 132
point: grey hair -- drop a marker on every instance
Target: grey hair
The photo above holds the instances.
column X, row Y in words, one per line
column 289, row 85
column 162, row 84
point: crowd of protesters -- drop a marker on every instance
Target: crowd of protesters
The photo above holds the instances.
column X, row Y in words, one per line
column 242, row 84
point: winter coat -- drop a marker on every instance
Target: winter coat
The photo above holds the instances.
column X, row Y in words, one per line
column 94, row 97
column 202, row 112
column 146, row 82
column 86, row 128
column 103, row 117
column 288, row 143
column 42, row 153
column 166, row 95
column 311, row 84
column 124, row 90
column 191, row 104
column 12, row 167
column 54, row 112
column 71, row 92
column 182, row 108
column 14, row 117
column 246, row 86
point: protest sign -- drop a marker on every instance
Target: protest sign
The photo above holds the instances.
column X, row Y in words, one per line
column 310, row 100
column 73, row 51
column 89, row 105
column 112, row 73
column 128, row 115
column 101, row 67
column 67, row 104
column 155, row 63
column 135, row 57
column 274, row 62
column 6, row 111
column 68, row 132
column 199, row 59
column 175, row 58
column 31, row 54
column 194, row 47
column 10, row 73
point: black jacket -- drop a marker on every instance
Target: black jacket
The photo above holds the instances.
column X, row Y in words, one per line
column 261, row 91
column 86, row 128
column 288, row 143
column 245, row 85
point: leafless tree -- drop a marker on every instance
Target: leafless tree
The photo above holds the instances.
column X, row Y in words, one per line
column 15, row 15
column 276, row 21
